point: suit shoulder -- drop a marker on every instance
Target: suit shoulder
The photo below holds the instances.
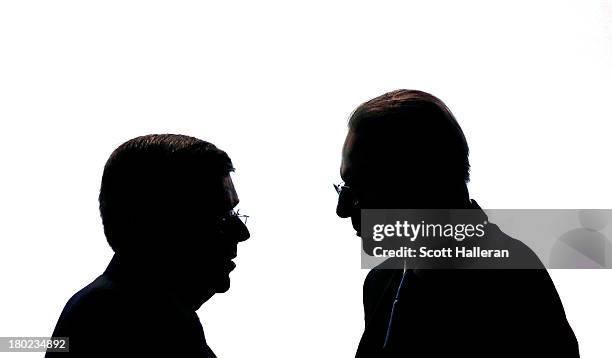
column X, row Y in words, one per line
column 99, row 292
column 377, row 279
column 377, row 275
column 95, row 303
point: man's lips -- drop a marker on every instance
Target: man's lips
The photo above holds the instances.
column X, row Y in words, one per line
column 229, row 264
column 224, row 260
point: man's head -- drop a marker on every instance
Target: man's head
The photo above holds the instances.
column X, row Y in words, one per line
column 167, row 203
column 404, row 150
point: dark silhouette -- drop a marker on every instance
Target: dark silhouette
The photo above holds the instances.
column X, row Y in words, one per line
column 167, row 205
column 405, row 149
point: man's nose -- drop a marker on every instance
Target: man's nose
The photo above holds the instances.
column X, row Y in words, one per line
column 243, row 232
column 345, row 207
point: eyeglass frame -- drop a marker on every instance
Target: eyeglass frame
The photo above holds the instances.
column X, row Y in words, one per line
column 231, row 214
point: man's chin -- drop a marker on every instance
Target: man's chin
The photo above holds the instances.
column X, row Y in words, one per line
column 224, row 287
column 357, row 229
column 356, row 222
column 222, row 284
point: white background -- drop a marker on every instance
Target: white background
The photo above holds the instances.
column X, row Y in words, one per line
column 273, row 84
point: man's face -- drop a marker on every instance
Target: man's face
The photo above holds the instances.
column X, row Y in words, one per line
column 230, row 231
column 369, row 182
column 350, row 200
column 213, row 236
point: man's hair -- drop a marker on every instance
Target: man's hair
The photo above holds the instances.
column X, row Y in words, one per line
column 416, row 127
column 154, row 179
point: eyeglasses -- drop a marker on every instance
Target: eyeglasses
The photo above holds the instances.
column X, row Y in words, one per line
column 232, row 215
column 346, row 195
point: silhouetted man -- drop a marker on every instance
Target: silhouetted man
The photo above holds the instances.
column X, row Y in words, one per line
column 167, row 204
column 405, row 149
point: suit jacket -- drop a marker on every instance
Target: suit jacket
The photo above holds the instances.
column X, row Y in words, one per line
column 464, row 313
column 124, row 314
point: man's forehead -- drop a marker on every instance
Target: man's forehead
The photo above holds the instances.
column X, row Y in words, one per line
column 360, row 162
column 347, row 168
column 230, row 196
